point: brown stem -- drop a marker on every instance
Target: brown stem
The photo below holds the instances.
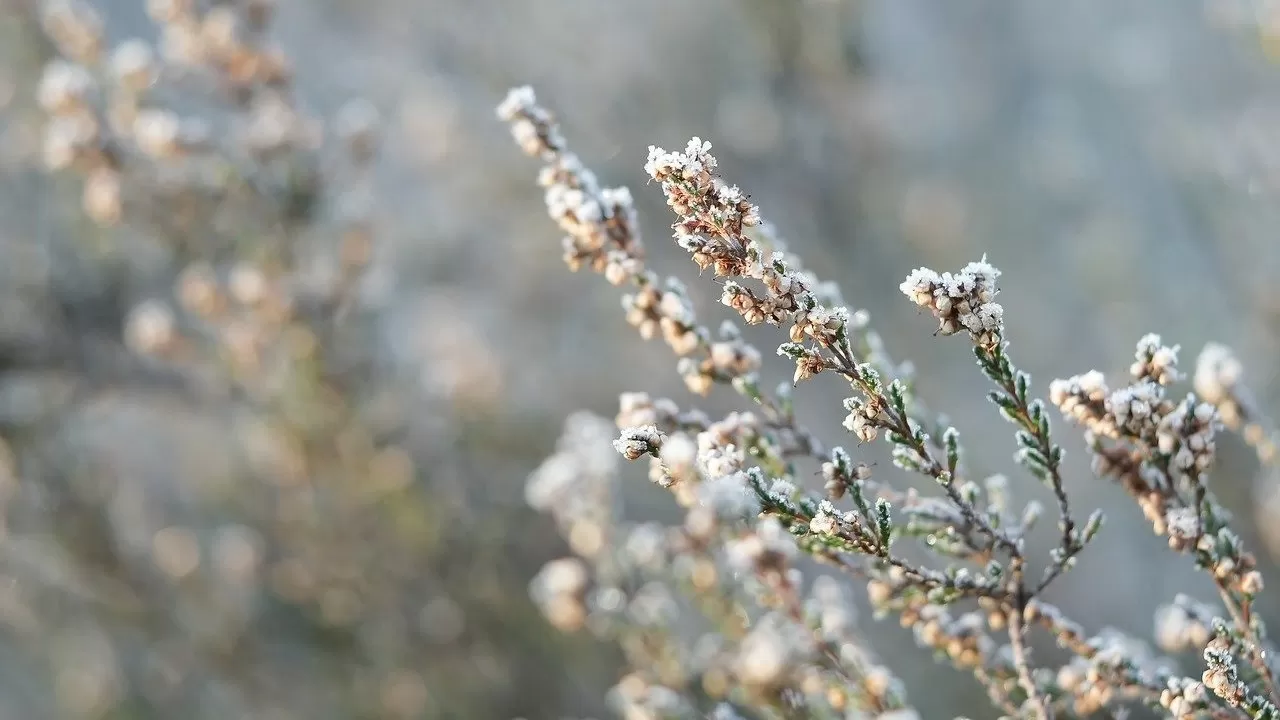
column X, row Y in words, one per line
column 1017, row 640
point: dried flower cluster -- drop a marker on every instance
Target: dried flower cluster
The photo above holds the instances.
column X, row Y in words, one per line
column 278, row 508
column 776, row 638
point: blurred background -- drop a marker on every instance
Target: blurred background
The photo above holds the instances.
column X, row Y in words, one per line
column 331, row 524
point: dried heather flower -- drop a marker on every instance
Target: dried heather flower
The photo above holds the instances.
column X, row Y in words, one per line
column 1183, row 526
column 638, row 441
column 964, row 300
column 1154, row 361
column 1187, row 433
column 531, row 126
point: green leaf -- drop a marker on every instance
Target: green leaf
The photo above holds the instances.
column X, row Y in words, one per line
column 884, row 524
column 1093, row 525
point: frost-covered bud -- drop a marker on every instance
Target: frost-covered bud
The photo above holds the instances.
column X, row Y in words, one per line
column 532, row 127
column 860, row 419
column 961, row 300
column 1187, row 432
column 920, row 285
column 826, row 521
column 808, row 362
column 518, row 100
column 1134, row 408
column 783, row 489
column 1155, row 361
column 1251, row 583
column 840, row 473
column 1183, row 527
column 638, row 441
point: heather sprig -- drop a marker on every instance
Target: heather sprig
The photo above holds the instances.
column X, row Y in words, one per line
column 602, row 234
column 733, row 477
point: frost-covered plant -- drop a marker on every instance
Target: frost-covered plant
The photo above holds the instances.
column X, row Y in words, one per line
column 778, row 640
column 217, row 494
